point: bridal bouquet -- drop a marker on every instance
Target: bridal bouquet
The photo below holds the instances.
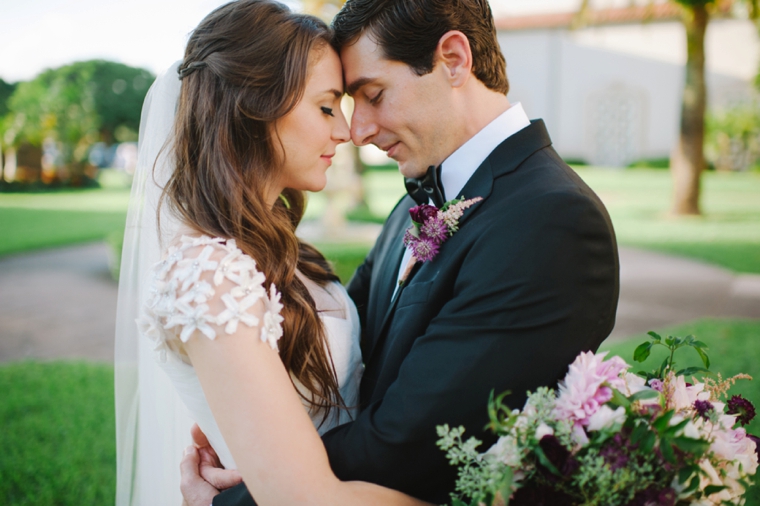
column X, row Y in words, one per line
column 610, row 437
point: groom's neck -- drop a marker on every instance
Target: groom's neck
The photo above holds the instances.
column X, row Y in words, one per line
column 475, row 106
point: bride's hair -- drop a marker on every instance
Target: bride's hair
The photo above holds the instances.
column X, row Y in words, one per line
column 246, row 66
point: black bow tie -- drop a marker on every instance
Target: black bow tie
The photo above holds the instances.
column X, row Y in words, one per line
column 427, row 188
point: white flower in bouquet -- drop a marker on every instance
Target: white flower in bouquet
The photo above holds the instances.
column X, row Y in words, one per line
column 506, row 451
column 607, row 418
column 543, row 430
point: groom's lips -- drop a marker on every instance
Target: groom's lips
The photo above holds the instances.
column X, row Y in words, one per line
column 391, row 150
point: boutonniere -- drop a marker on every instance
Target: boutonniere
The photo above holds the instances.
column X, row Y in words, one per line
column 430, row 228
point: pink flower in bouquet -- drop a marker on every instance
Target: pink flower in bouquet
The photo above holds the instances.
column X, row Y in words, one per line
column 733, row 444
column 588, row 385
column 680, row 395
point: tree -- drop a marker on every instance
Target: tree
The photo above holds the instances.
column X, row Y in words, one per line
column 6, row 90
column 77, row 105
column 687, row 158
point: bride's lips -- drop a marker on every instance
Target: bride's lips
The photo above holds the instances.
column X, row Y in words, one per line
column 327, row 158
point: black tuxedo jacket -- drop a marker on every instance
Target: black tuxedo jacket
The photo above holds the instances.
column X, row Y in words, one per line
column 528, row 282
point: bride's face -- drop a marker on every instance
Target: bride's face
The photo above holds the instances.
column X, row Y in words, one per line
column 315, row 126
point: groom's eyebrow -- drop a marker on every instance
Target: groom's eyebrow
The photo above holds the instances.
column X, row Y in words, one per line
column 354, row 86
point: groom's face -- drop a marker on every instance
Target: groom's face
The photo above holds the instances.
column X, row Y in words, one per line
column 398, row 111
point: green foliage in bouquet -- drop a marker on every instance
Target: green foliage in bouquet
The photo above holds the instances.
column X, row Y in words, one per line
column 609, row 437
column 672, row 343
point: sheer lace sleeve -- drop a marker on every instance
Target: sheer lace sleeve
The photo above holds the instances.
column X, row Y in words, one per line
column 199, row 274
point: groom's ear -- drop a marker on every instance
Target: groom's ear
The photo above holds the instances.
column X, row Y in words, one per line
column 454, row 53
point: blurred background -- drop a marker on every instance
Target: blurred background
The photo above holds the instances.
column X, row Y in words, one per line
column 654, row 103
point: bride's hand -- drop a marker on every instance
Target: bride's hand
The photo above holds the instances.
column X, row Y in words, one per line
column 210, row 466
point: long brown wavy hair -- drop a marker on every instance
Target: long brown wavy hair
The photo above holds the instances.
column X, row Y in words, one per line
column 246, row 65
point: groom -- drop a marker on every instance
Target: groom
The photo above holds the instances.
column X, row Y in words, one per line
column 528, row 281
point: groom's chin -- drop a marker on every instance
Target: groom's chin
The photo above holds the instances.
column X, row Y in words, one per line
column 408, row 168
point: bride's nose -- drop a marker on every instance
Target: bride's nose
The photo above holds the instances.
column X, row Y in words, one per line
column 340, row 132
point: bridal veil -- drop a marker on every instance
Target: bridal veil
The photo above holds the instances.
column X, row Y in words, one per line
column 152, row 426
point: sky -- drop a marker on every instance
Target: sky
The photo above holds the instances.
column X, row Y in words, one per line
column 40, row 34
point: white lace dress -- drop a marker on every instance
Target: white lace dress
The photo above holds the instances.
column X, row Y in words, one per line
column 202, row 272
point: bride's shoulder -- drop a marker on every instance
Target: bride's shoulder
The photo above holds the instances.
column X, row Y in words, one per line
column 209, row 286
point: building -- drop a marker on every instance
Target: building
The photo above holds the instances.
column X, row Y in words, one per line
column 610, row 93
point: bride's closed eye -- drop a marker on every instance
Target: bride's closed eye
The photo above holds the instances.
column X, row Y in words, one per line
column 327, row 111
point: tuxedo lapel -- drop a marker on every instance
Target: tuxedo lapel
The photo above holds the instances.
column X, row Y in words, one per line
column 387, row 283
column 505, row 158
column 391, row 309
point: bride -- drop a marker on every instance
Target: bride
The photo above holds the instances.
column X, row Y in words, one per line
column 239, row 320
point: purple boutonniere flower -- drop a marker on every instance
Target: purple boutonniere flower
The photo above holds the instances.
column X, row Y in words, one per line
column 420, row 214
column 430, row 228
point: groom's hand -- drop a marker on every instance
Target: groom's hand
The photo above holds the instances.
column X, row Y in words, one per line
column 210, row 467
column 195, row 490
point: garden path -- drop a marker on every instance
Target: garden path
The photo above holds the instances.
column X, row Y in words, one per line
column 61, row 303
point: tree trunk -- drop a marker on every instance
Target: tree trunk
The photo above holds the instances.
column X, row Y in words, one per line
column 688, row 159
column 10, row 165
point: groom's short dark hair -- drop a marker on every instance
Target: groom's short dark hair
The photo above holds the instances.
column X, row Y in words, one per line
column 408, row 31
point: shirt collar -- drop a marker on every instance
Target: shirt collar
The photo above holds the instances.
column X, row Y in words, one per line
column 457, row 169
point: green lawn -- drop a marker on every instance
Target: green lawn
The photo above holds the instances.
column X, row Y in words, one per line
column 638, row 200
column 58, row 422
column 57, row 437
column 728, row 234
column 43, row 220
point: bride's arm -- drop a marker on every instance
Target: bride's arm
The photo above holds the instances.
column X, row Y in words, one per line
column 276, row 448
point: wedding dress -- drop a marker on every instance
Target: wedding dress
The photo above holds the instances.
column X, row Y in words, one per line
column 204, row 283
column 157, row 402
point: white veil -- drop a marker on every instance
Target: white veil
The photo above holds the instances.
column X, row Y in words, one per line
column 152, row 426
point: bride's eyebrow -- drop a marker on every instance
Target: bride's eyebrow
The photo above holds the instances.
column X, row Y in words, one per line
column 333, row 91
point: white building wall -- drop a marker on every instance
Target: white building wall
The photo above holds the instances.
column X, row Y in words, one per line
column 612, row 95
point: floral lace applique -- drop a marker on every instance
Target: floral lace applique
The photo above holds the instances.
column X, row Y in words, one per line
column 178, row 295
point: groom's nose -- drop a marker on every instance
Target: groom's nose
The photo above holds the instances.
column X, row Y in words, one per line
column 363, row 125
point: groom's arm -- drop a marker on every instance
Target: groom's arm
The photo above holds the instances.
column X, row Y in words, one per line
column 524, row 305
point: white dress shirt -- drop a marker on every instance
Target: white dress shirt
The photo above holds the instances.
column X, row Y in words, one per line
column 458, row 168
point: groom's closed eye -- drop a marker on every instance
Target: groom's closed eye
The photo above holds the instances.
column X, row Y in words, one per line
column 376, row 98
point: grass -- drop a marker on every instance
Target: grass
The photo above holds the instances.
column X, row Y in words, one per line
column 57, row 434
column 58, row 421
column 345, row 258
column 638, row 200
column 44, row 220
column 728, row 234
